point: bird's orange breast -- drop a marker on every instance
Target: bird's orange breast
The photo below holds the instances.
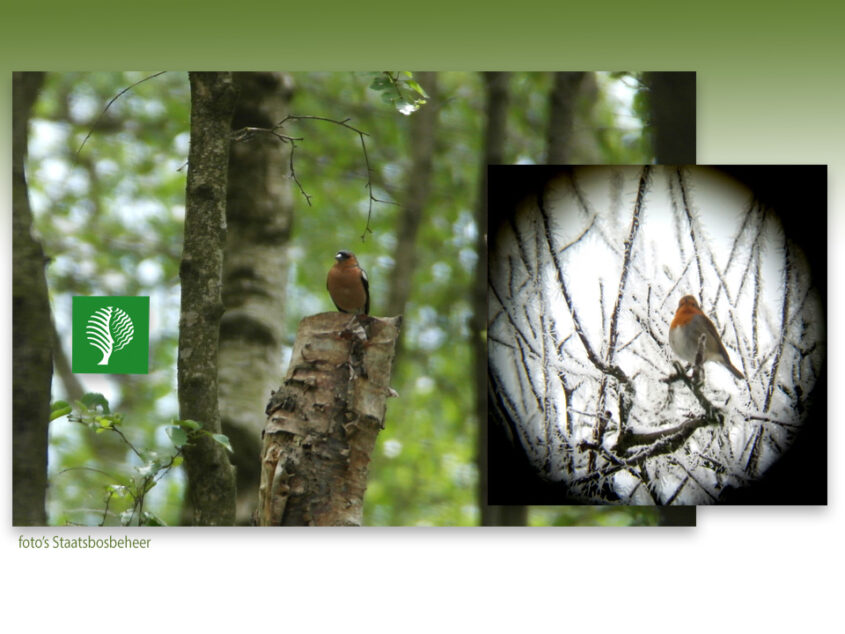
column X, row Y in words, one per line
column 683, row 316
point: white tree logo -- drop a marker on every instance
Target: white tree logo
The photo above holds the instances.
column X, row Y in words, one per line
column 109, row 329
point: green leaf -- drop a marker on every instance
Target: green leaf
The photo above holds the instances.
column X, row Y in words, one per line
column 189, row 424
column 59, row 409
column 381, row 82
column 223, row 440
column 415, row 85
column 178, row 435
column 106, row 422
column 92, row 399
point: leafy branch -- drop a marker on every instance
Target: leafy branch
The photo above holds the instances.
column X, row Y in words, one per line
column 398, row 88
column 93, row 411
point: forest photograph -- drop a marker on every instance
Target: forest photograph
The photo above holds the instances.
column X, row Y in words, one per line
column 266, row 394
column 657, row 333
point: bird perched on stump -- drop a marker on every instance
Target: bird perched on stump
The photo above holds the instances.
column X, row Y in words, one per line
column 348, row 285
column 686, row 330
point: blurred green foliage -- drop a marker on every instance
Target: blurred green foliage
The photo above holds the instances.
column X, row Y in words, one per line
column 125, row 489
column 110, row 218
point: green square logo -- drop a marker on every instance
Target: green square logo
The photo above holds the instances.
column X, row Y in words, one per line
column 111, row 335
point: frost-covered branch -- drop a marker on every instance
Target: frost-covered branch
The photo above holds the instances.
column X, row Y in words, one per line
column 587, row 380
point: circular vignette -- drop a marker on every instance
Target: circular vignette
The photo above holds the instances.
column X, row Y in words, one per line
column 586, row 268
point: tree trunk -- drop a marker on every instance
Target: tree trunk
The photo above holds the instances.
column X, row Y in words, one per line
column 676, row 515
column 32, row 350
column 323, row 421
column 562, row 100
column 673, row 112
column 496, row 88
column 62, row 365
column 259, row 213
column 672, row 103
column 211, row 478
column 417, row 190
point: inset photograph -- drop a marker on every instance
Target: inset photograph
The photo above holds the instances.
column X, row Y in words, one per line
column 656, row 335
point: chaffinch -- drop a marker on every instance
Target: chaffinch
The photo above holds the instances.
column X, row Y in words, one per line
column 348, row 285
column 687, row 327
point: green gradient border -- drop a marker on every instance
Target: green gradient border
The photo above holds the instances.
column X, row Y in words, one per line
column 770, row 86
column 769, row 77
column 531, row 35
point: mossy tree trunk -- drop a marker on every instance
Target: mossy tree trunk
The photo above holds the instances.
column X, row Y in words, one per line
column 32, row 349
column 211, row 478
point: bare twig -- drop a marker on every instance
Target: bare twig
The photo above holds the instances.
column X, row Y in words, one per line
column 629, row 246
column 692, row 477
column 691, row 221
column 111, row 101
column 594, row 359
column 507, row 314
column 246, row 133
column 784, row 320
column 769, row 419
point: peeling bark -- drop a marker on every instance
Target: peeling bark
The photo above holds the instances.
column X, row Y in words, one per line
column 323, row 421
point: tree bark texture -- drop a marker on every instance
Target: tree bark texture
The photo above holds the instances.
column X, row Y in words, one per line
column 323, row 421
column 496, row 90
column 211, row 478
column 672, row 102
column 32, row 350
column 259, row 211
column 417, row 190
column 673, row 111
column 562, row 102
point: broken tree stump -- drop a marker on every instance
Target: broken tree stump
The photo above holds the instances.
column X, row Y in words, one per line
column 323, row 421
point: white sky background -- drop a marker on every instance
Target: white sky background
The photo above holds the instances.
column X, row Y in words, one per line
column 720, row 203
column 664, row 267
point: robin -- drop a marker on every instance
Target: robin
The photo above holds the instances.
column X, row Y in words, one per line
column 348, row 285
column 686, row 329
